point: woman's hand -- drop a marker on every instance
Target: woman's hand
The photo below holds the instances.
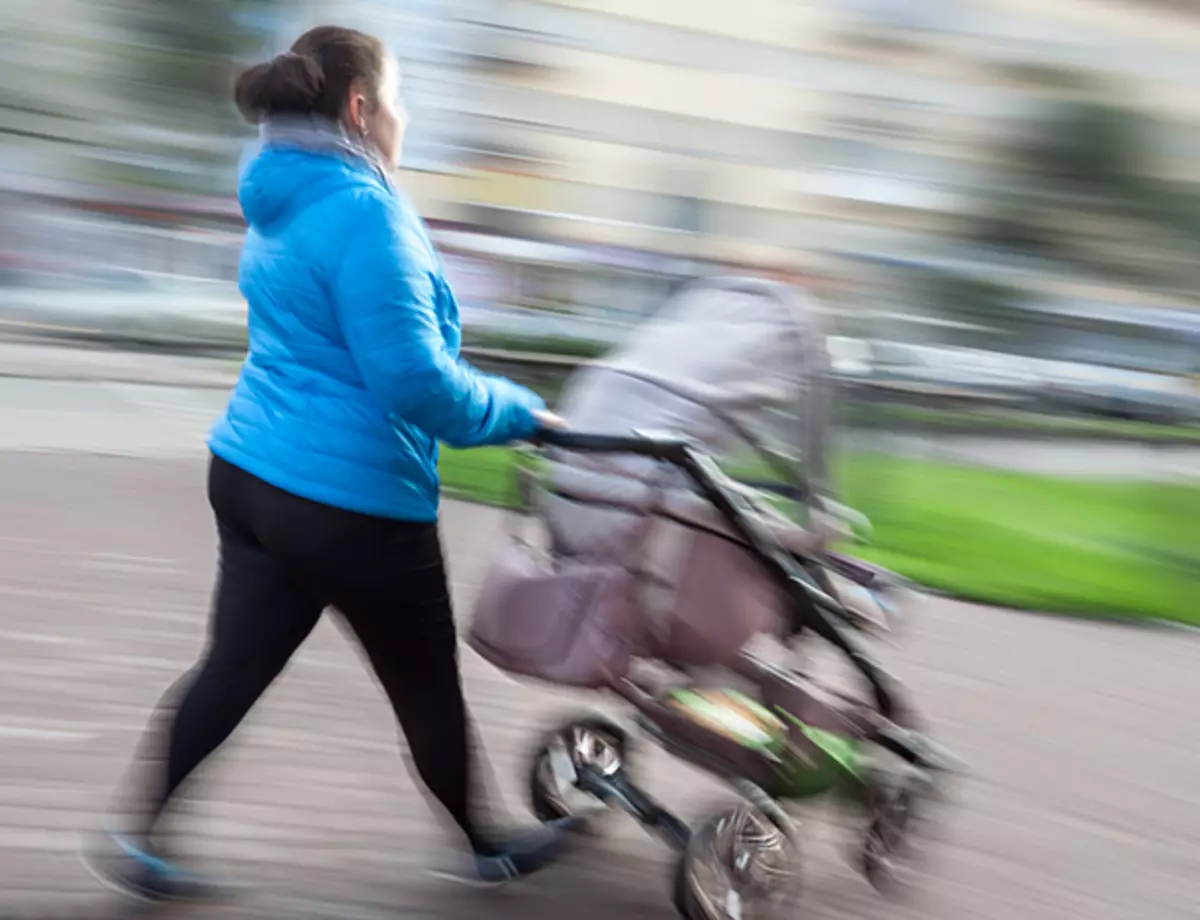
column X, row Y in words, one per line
column 547, row 419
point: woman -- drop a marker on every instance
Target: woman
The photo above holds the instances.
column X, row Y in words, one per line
column 323, row 474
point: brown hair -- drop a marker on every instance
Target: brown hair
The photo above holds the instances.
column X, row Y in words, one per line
column 313, row 77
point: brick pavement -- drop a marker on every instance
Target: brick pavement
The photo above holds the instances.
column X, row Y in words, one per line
column 1083, row 736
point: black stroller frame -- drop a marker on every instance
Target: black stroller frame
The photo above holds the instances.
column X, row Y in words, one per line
column 814, row 607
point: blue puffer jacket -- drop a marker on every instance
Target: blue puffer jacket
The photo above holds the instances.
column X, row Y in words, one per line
column 353, row 373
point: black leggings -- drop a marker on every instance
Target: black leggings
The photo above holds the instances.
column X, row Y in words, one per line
column 283, row 560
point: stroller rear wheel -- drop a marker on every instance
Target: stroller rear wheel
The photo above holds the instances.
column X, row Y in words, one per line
column 891, row 850
column 740, row 865
column 557, row 776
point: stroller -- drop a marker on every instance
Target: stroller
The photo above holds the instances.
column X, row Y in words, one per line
column 685, row 518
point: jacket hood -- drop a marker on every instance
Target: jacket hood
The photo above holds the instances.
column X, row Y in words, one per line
column 273, row 186
column 297, row 164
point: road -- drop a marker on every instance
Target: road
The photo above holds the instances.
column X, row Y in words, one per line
column 1082, row 737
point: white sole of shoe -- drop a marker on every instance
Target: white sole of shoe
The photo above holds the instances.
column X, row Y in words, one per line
column 109, row 885
column 228, row 891
column 468, row 881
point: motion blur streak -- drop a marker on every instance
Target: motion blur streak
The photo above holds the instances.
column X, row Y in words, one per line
column 996, row 201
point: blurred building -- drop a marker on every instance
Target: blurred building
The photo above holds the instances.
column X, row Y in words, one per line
column 637, row 135
column 848, row 123
column 797, row 131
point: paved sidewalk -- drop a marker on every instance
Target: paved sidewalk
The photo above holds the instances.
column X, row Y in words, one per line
column 43, row 359
column 1083, row 738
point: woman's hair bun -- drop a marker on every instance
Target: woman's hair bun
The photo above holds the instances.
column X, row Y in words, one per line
column 288, row 84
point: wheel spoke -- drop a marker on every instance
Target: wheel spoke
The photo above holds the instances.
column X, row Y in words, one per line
column 740, row 867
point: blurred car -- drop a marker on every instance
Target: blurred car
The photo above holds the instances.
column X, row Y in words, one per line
column 1156, row 399
column 1032, row 383
column 138, row 307
column 988, row 375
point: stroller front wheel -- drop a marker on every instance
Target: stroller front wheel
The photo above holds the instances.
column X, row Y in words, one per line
column 739, row 865
column 589, row 747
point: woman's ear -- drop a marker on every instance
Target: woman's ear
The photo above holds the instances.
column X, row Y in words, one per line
column 356, row 108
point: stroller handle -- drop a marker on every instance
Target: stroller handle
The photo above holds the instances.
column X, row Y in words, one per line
column 667, row 447
column 815, row 608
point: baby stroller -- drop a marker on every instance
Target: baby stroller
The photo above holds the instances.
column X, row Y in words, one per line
column 685, row 518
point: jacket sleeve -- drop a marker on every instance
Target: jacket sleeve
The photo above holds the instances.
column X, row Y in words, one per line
column 385, row 297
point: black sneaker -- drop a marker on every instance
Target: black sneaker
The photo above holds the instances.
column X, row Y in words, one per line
column 514, row 854
column 123, row 866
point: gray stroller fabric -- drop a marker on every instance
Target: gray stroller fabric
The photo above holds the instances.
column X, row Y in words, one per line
column 739, row 367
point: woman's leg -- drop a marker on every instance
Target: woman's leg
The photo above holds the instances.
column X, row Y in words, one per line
column 259, row 619
column 388, row 579
column 394, row 596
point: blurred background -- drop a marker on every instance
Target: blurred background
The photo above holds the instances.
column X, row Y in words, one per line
column 997, row 200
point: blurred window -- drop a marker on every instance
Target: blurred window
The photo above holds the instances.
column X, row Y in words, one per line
column 640, row 127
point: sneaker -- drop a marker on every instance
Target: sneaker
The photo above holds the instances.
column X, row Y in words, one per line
column 514, row 854
column 123, row 866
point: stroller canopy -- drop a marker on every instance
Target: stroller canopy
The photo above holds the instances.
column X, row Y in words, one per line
column 738, row 365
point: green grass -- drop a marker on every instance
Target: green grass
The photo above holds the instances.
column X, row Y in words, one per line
column 1085, row 547
column 484, row 475
column 1040, row 542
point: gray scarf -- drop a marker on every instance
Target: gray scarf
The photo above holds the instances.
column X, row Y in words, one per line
column 320, row 135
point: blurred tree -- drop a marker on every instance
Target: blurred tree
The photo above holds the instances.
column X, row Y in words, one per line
column 179, row 60
column 183, row 53
column 1080, row 186
column 49, row 69
column 1086, row 145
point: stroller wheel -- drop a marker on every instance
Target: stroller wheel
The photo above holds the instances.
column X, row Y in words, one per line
column 890, row 850
column 590, row 743
column 739, row 866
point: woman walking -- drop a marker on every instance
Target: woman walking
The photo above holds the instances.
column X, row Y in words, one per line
column 323, row 475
